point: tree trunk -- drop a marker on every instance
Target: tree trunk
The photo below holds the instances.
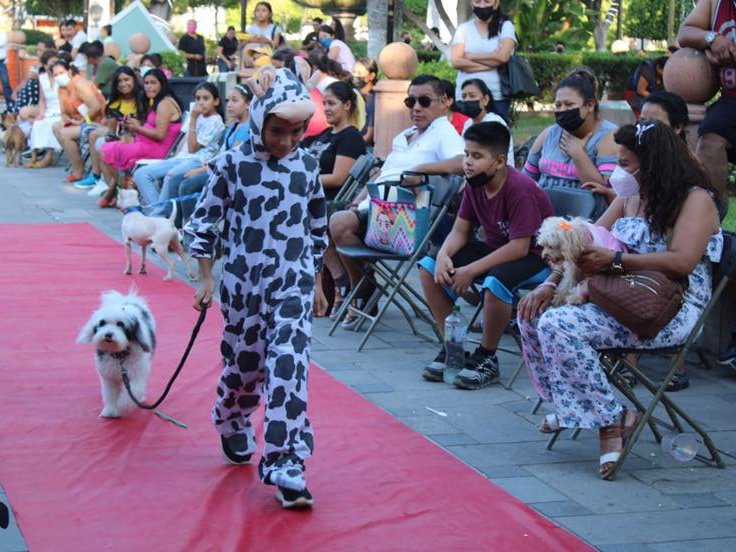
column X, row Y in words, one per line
column 671, row 22
column 377, row 23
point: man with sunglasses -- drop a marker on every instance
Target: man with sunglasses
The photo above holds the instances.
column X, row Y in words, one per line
column 430, row 146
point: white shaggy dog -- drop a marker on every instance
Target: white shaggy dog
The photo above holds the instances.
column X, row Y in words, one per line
column 122, row 330
column 563, row 241
column 158, row 231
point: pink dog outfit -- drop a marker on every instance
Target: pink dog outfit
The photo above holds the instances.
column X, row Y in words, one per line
column 603, row 238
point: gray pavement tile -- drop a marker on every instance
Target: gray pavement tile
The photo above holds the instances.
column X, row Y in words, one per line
column 561, row 508
column 709, row 545
column 518, row 454
column 688, row 480
column 654, row 527
column 450, row 439
column 429, row 425
column 372, row 388
column 499, row 426
column 699, row 500
column 529, row 489
column 580, row 482
column 625, row 548
column 501, row 472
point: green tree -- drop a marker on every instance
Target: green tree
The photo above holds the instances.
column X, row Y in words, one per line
column 55, row 8
column 648, row 18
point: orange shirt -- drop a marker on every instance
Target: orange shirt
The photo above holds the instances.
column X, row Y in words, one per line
column 70, row 100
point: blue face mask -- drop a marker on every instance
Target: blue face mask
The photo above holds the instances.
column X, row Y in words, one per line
column 325, row 42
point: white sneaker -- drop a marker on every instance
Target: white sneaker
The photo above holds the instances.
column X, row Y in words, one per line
column 98, row 189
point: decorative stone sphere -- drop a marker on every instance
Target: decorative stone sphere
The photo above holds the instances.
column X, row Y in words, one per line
column 689, row 74
column 112, row 50
column 17, row 37
column 398, row 61
column 139, row 43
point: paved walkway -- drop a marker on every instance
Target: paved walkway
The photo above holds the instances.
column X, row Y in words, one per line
column 656, row 503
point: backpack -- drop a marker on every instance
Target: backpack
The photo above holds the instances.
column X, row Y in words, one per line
column 634, row 80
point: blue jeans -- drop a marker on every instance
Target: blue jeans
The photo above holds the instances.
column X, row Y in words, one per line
column 5, row 81
column 146, row 178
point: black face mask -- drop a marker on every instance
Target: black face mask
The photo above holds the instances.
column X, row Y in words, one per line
column 570, row 120
column 470, row 108
column 484, row 14
column 358, row 83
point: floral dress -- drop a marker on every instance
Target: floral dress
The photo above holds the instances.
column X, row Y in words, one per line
column 561, row 346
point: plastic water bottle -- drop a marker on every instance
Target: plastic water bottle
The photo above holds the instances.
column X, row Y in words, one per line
column 683, row 447
column 455, row 325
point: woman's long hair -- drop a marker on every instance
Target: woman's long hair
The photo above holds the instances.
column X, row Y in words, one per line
column 496, row 23
column 667, row 171
column 166, row 89
column 139, row 96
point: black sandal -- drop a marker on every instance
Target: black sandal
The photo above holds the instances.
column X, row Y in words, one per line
column 679, row 381
column 628, row 376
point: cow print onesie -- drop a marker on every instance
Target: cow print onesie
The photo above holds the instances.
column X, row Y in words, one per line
column 273, row 237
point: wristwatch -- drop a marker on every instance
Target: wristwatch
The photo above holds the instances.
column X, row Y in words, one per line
column 710, row 36
column 617, row 266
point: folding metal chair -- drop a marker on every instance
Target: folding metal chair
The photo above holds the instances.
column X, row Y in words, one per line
column 388, row 272
column 357, row 177
column 614, row 359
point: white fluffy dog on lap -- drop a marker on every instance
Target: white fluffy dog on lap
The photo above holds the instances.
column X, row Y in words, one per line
column 562, row 242
column 123, row 331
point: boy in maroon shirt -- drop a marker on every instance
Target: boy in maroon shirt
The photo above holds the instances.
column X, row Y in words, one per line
column 510, row 208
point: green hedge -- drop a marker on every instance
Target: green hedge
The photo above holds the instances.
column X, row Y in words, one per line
column 549, row 69
column 33, row 36
column 613, row 71
column 440, row 68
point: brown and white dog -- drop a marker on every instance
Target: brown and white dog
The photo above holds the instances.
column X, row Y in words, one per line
column 14, row 141
column 159, row 232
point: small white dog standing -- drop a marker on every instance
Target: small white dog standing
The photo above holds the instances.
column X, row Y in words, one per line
column 160, row 232
column 123, row 330
column 563, row 241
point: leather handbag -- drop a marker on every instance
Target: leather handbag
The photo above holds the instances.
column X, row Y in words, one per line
column 517, row 79
column 644, row 301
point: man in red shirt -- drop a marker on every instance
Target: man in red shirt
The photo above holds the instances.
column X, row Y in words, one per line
column 510, row 208
column 711, row 27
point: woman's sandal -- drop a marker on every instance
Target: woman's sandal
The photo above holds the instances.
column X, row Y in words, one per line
column 550, row 424
column 622, row 431
column 678, row 382
column 105, row 203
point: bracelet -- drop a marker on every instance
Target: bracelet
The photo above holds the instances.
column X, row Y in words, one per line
column 553, row 285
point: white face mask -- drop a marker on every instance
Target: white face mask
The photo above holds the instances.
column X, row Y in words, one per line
column 623, row 182
column 63, row 79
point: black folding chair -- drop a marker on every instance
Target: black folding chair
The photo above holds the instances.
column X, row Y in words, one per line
column 615, row 359
column 388, row 272
column 357, row 178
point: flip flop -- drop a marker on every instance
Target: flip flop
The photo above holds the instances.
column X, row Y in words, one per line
column 620, row 431
column 71, row 178
column 550, row 424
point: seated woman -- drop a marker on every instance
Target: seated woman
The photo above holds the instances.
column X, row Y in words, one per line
column 151, row 140
column 192, row 182
column 200, row 145
column 82, row 107
column 337, row 148
column 42, row 142
column 127, row 99
column 668, row 108
column 477, row 104
column 672, row 226
column 579, row 147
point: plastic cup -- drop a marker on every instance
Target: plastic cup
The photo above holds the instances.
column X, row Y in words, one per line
column 683, row 447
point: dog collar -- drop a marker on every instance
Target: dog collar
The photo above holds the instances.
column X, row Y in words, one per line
column 133, row 209
column 117, row 356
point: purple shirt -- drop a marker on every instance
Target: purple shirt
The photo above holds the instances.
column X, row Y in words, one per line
column 516, row 211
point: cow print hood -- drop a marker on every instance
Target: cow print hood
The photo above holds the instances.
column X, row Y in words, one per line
column 288, row 98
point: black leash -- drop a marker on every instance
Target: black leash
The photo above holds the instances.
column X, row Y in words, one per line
column 124, row 370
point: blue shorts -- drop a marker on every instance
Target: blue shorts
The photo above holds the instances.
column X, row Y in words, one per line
column 503, row 280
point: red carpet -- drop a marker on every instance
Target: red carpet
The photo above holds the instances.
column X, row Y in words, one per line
column 79, row 483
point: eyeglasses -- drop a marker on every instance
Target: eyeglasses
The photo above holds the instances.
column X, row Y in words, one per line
column 424, row 101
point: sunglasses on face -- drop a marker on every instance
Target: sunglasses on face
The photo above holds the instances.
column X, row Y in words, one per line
column 424, row 101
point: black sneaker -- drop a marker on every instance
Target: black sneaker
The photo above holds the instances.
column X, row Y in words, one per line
column 435, row 369
column 480, row 371
column 728, row 358
column 294, row 499
column 235, row 448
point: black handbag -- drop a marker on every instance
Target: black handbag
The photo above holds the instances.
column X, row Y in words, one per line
column 517, row 79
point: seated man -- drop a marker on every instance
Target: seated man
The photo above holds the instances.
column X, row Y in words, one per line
column 709, row 27
column 510, row 208
column 431, row 146
column 100, row 68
